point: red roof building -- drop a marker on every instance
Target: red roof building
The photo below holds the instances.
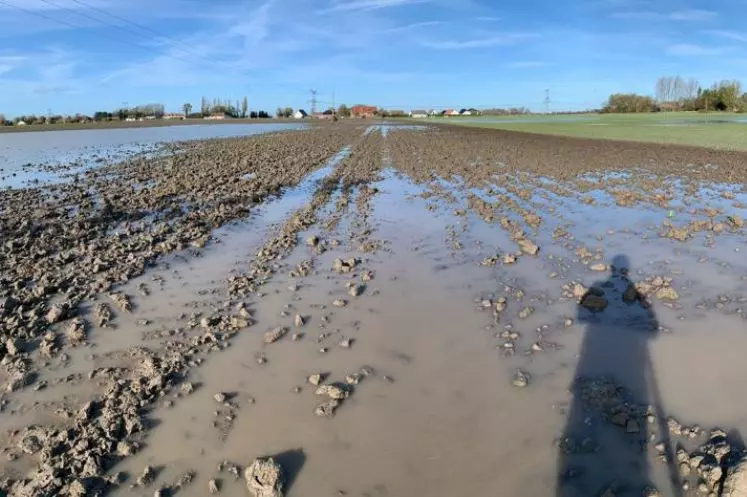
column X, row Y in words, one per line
column 363, row 111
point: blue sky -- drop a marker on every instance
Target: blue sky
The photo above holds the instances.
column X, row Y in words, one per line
column 84, row 55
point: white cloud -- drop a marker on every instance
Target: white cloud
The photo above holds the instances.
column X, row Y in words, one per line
column 351, row 5
column 694, row 50
column 489, row 41
column 488, row 19
column 728, row 35
column 413, row 26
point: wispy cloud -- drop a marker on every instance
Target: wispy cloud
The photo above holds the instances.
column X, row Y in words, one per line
column 689, row 49
column 529, row 64
column 727, row 35
column 352, row 5
column 489, row 41
column 692, row 15
column 688, row 15
column 414, row 26
column 487, row 19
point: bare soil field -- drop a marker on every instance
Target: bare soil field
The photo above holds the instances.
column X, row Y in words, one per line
column 376, row 310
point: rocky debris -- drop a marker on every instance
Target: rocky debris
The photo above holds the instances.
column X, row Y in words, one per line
column 735, row 483
column 600, row 267
column 213, row 487
column 345, row 266
column 312, row 241
column 353, row 378
column 121, row 300
column 354, row 289
column 13, row 347
column 209, row 322
column 187, row 387
column 527, row 246
column 76, row 331
column 102, row 314
column 148, row 477
column 526, row 312
column 327, row 409
column 264, row 478
column 346, row 343
column 520, row 379
column 667, row 293
column 275, row 334
column 594, row 300
column 367, row 276
column 735, row 221
column 57, row 313
column 333, row 391
column 339, row 303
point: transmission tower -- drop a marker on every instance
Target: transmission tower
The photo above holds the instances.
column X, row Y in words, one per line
column 313, row 102
column 547, row 101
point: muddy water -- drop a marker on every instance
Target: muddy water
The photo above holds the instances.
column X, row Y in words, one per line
column 440, row 414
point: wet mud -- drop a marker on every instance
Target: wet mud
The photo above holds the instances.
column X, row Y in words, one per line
column 378, row 310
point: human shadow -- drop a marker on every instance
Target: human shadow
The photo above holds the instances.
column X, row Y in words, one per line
column 603, row 450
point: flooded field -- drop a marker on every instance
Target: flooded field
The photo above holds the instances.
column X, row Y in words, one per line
column 36, row 157
column 386, row 311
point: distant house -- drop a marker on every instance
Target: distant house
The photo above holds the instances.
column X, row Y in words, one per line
column 418, row 114
column 300, row 114
column 174, row 115
column 219, row 116
column 21, row 123
column 465, row 112
column 450, row 112
column 130, row 119
column 363, row 111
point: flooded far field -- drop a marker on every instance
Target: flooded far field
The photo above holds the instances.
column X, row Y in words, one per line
column 385, row 311
column 37, row 157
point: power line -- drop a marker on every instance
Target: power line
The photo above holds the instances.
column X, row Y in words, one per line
column 139, row 26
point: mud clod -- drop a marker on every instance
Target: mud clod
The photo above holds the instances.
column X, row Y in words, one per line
column 264, row 478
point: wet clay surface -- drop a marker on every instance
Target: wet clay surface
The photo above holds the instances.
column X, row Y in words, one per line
column 385, row 311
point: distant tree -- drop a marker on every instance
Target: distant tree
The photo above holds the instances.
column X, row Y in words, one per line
column 279, row 113
column 100, row 116
column 204, row 106
column 187, row 108
column 287, row 112
column 244, row 107
column 2, row 119
column 253, row 114
column 343, row 111
column 628, row 102
column 263, row 115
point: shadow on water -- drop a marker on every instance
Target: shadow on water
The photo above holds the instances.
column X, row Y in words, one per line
column 603, row 450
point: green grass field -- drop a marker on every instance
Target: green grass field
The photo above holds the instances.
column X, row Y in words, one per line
column 713, row 130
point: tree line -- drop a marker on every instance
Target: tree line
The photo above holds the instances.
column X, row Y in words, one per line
column 674, row 93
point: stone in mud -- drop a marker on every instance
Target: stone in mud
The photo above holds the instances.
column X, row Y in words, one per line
column 354, row 290
column 509, row 259
column 219, row 397
column 121, row 300
column 56, row 313
column 601, row 267
column 344, row 266
column 579, row 290
column 298, row 321
column 339, row 303
column 147, row 477
column 735, row 483
column 264, row 478
column 521, row 379
column 13, row 346
column 327, row 409
column 353, row 378
column 735, row 221
column 187, row 388
column 528, row 247
column 500, row 305
column 213, row 487
column 208, row 322
column 367, row 276
column 630, row 294
column 315, row 379
column 312, row 241
column 103, row 314
column 526, row 312
column 336, row 392
column 76, row 332
column 594, row 303
column 667, row 293
column 275, row 334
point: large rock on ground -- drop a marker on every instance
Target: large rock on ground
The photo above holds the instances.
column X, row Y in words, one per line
column 735, row 484
column 264, row 478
